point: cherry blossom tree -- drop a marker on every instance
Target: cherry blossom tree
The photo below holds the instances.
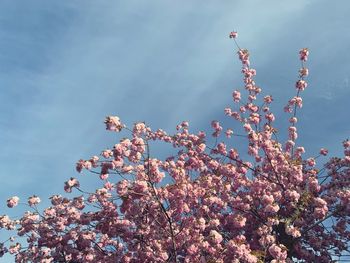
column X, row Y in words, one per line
column 206, row 202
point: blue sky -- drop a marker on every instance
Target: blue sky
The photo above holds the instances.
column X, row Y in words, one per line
column 65, row 65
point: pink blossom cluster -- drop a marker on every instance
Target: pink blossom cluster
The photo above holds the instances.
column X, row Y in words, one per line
column 13, row 201
column 204, row 202
column 113, row 123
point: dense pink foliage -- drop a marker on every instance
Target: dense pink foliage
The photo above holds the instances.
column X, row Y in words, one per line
column 202, row 204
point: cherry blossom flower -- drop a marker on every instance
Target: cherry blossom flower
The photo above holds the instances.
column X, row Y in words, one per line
column 304, row 53
column 13, row 201
column 113, row 123
column 233, row 34
column 33, row 200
